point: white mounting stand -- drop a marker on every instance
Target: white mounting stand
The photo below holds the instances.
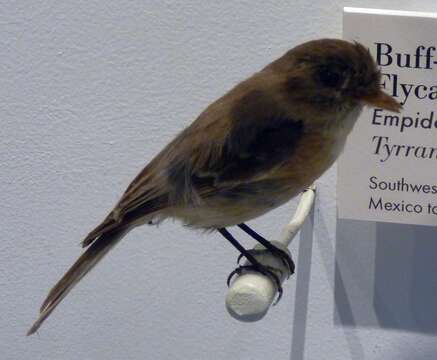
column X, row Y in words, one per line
column 251, row 294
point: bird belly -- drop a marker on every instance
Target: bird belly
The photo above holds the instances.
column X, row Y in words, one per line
column 232, row 206
column 211, row 216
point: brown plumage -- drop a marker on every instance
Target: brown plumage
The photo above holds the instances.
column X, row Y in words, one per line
column 250, row 151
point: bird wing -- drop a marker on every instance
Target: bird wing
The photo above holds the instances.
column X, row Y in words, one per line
column 235, row 141
column 260, row 137
column 138, row 201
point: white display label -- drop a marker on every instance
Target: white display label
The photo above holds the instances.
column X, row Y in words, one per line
column 388, row 171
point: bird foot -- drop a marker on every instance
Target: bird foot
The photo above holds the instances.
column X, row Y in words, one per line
column 283, row 255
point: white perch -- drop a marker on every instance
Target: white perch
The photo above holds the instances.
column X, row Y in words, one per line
column 251, row 294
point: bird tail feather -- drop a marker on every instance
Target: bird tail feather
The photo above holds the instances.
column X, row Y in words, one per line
column 95, row 252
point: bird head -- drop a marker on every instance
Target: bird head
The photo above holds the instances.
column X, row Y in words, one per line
column 327, row 72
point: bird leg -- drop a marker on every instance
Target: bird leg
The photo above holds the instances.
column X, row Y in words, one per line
column 255, row 264
column 286, row 258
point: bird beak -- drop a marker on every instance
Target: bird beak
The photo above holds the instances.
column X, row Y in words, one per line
column 381, row 100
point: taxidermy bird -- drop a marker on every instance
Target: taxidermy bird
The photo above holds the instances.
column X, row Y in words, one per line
column 252, row 150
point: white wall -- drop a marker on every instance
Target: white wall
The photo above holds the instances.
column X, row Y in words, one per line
column 89, row 92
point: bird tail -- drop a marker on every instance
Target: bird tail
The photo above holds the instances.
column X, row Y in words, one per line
column 95, row 252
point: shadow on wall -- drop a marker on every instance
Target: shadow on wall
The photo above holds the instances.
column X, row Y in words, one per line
column 303, row 277
column 386, row 276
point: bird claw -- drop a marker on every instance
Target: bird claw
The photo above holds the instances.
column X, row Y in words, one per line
column 261, row 269
column 284, row 256
column 286, row 260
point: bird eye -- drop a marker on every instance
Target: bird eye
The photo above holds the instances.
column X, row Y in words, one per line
column 330, row 77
